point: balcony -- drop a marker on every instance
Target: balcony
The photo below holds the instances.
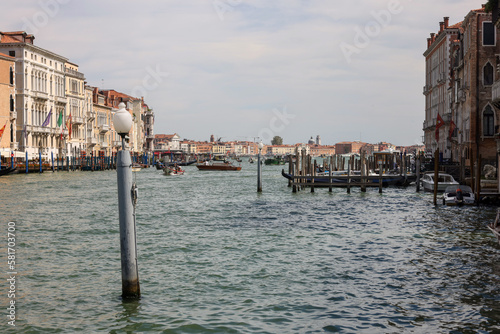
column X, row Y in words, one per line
column 13, row 115
column 74, row 73
column 41, row 95
column 104, row 144
column 77, row 120
column 103, row 128
column 90, row 115
column 91, row 141
column 61, row 99
column 495, row 94
column 14, row 146
column 117, row 143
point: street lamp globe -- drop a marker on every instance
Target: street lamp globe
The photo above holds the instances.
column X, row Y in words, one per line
column 122, row 120
column 261, row 146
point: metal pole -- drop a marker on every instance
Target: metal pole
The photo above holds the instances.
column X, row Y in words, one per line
column 259, row 175
column 127, row 196
column 40, row 159
column 436, row 174
column 52, row 158
column 27, row 162
column 12, row 159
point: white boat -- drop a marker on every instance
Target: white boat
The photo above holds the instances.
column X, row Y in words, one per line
column 458, row 195
column 444, row 180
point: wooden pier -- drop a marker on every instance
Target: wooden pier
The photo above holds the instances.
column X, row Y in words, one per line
column 379, row 170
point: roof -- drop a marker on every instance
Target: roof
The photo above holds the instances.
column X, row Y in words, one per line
column 16, row 37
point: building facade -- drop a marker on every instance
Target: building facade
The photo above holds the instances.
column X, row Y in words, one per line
column 8, row 113
column 40, row 96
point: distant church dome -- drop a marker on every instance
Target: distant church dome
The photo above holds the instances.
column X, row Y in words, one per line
column 311, row 141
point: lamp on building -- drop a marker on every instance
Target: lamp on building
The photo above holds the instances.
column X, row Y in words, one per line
column 122, row 121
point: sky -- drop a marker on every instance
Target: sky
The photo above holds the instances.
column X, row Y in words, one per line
column 253, row 69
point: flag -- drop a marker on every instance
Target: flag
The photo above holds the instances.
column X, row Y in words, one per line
column 452, row 128
column 1, row 131
column 439, row 123
column 60, row 123
column 47, row 120
column 68, row 125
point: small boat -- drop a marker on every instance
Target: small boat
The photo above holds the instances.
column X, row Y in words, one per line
column 218, row 166
column 444, row 180
column 250, row 160
column 180, row 163
column 495, row 226
column 6, row 170
column 275, row 161
column 136, row 167
column 173, row 171
column 458, row 195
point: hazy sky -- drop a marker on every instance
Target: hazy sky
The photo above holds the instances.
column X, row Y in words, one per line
column 241, row 69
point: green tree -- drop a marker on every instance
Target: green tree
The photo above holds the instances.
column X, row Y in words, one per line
column 277, row 140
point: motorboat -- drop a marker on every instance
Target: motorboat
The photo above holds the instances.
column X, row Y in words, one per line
column 458, row 195
column 173, row 171
column 217, row 166
column 444, row 180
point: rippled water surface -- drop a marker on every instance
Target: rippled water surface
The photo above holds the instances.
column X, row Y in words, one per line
column 216, row 257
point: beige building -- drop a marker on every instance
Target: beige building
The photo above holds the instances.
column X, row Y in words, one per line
column 40, row 96
column 75, row 94
column 7, row 105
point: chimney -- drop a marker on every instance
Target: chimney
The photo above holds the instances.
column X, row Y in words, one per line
column 428, row 42
column 433, row 37
column 441, row 26
column 446, row 21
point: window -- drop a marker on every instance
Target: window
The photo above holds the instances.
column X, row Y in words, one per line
column 488, row 74
column 11, row 76
column 11, row 103
column 488, row 33
column 12, row 53
column 488, row 122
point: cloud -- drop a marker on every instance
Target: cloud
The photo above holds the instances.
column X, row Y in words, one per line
column 227, row 74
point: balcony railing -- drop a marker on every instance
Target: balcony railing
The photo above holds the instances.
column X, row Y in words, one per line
column 90, row 115
column 91, row 141
column 77, row 120
column 74, row 73
column 41, row 95
column 61, row 99
column 117, row 143
column 104, row 128
column 14, row 146
column 13, row 115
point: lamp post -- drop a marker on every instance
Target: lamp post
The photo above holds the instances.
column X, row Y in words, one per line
column 259, row 169
column 127, row 197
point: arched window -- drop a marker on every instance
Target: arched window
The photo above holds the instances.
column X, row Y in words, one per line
column 11, row 103
column 488, row 74
column 488, row 122
column 11, row 76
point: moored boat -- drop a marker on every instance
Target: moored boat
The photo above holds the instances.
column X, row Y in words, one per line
column 458, row 195
column 444, row 180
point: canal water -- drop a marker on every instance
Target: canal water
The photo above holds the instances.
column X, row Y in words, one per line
column 217, row 257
